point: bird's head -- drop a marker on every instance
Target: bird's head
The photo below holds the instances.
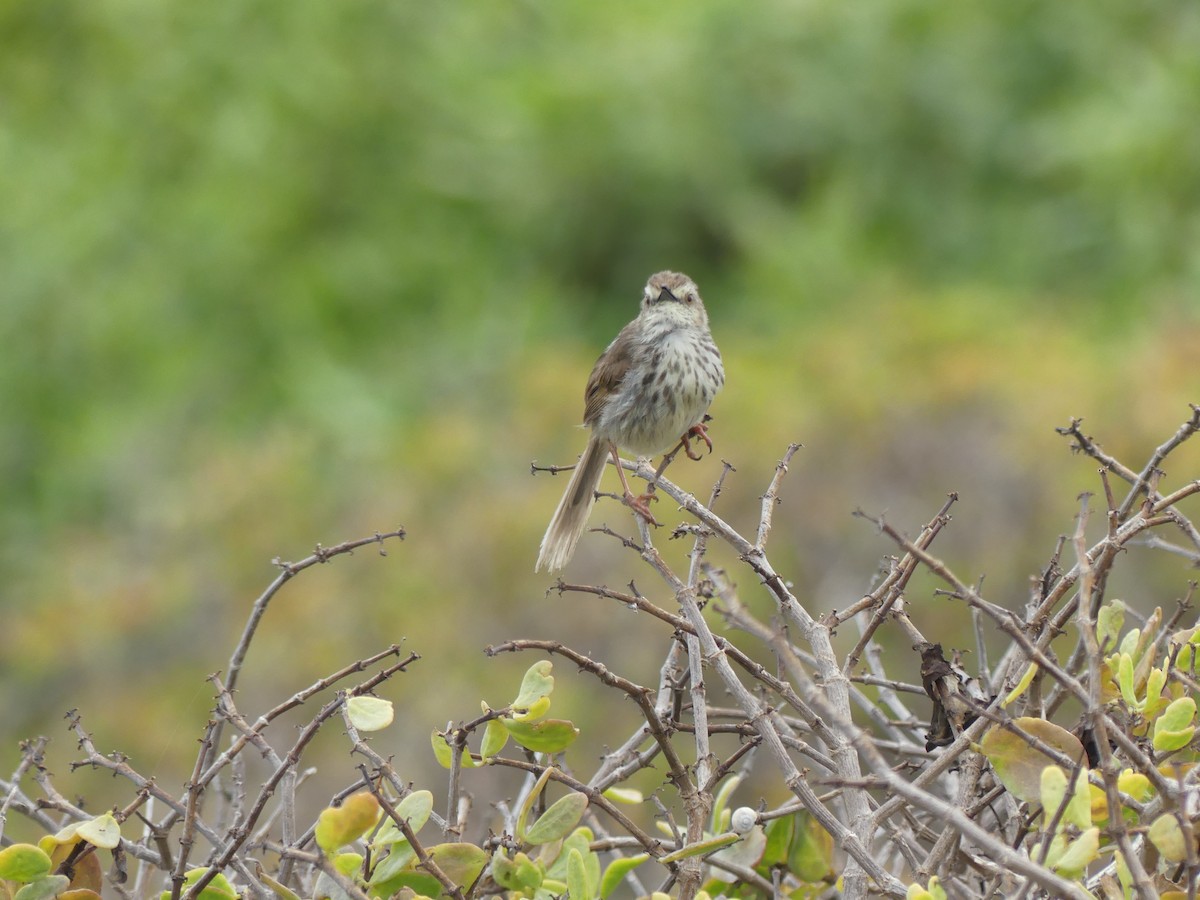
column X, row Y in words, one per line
column 673, row 295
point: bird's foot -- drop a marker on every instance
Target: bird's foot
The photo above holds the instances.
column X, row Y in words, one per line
column 641, row 506
column 699, row 430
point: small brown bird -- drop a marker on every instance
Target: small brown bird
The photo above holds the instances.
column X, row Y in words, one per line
column 649, row 390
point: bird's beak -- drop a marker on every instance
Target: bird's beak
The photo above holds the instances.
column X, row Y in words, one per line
column 667, row 295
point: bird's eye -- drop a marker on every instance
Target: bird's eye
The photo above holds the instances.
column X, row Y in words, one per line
column 691, row 298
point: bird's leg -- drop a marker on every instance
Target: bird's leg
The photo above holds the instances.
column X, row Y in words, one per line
column 640, row 504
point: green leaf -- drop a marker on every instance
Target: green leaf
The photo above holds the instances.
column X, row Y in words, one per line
column 444, row 754
column 495, row 736
column 462, row 863
column 23, row 863
column 617, row 871
column 779, row 837
column 103, row 831
column 370, row 713
column 555, row 853
column 557, row 821
column 43, row 888
column 577, row 882
column 517, row 874
column 1125, row 680
column 810, row 857
column 530, row 799
column 400, row 854
column 415, row 808
column 1110, row 619
column 701, row 847
column 547, row 736
column 341, row 825
column 537, row 684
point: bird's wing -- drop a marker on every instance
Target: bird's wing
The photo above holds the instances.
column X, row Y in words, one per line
column 608, row 373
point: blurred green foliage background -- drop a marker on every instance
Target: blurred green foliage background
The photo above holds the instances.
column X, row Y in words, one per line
column 298, row 271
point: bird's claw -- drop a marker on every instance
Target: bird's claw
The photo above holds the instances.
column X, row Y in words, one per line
column 698, row 430
column 641, row 506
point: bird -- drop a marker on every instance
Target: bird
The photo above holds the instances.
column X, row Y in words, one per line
column 649, row 390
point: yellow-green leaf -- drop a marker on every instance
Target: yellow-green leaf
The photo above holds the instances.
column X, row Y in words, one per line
column 444, row 754
column 1079, row 807
column 577, row 882
column 1173, row 729
column 533, row 712
column 1022, row 685
column 279, row 890
column 370, row 713
column 217, row 889
column 341, row 825
column 1135, row 784
column 1053, row 789
column 1129, row 643
column 1167, row 836
column 495, row 736
column 348, row 863
column 933, row 892
column 628, row 796
column 1154, row 685
column 721, row 801
column 1018, row 765
column 617, row 871
column 462, row 863
column 23, row 863
column 1077, row 855
column 103, row 831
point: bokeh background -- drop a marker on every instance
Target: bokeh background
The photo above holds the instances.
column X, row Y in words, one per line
column 297, row 271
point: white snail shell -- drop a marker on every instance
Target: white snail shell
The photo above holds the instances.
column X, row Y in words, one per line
column 743, row 819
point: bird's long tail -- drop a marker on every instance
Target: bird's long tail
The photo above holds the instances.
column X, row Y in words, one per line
column 571, row 517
